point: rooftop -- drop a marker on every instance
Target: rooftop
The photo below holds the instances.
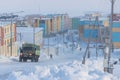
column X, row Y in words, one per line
column 4, row 23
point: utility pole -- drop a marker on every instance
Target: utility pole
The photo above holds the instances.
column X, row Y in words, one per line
column 10, row 17
column 34, row 36
column 87, row 49
column 108, row 67
column 48, row 43
column 109, row 70
column 0, row 43
column 95, row 27
column 72, row 41
column 34, row 39
column 63, row 40
column 11, row 30
column 20, row 36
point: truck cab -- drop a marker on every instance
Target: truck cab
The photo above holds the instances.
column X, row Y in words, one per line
column 29, row 51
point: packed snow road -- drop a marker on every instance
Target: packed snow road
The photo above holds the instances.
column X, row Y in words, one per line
column 62, row 67
column 13, row 64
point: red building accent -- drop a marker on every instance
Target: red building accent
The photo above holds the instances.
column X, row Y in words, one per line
column 2, row 36
column 15, row 32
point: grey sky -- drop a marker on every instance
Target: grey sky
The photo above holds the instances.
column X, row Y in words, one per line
column 72, row 7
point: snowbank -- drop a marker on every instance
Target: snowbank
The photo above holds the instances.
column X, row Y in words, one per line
column 67, row 71
column 4, row 59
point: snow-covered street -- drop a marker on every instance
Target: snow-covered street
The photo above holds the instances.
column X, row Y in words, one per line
column 62, row 67
column 66, row 65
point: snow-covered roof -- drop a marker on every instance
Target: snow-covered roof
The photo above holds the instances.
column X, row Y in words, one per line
column 4, row 23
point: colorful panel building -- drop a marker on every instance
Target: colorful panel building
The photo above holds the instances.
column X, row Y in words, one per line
column 116, row 34
column 8, row 39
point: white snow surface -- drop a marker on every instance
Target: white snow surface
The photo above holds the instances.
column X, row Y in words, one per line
column 67, row 65
column 67, row 71
column 56, row 70
column 61, row 67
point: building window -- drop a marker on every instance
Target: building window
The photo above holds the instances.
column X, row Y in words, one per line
column 13, row 40
column 8, row 29
column 8, row 42
column 8, row 49
column 5, row 30
column 12, row 28
column 5, row 42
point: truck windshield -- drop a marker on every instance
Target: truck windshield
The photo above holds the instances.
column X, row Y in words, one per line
column 27, row 48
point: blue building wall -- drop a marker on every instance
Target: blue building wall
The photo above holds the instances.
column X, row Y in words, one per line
column 82, row 23
column 75, row 23
column 92, row 23
column 116, row 24
column 43, row 25
column 62, row 23
column 116, row 36
column 87, row 32
column 92, row 33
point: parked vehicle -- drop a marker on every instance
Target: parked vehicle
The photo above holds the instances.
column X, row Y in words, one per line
column 29, row 51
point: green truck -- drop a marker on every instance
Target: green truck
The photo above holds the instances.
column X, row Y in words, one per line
column 29, row 51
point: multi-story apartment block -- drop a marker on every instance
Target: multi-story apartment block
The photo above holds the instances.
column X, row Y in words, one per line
column 8, row 39
column 116, row 30
column 51, row 23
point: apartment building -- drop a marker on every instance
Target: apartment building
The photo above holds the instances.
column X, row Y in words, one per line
column 8, row 39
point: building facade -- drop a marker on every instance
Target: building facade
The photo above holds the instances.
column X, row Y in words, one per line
column 30, row 35
column 115, row 30
column 51, row 23
column 75, row 23
column 89, row 29
column 116, row 34
column 8, row 39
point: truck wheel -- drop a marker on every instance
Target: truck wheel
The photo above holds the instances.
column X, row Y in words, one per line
column 36, row 59
column 24, row 60
column 32, row 59
column 20, row 59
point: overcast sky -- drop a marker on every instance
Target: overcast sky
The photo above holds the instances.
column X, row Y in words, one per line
column 72, row 7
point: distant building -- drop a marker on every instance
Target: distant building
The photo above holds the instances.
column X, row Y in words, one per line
column 89, row 29
column 6, row 35
column 115, row 29
column 51, row 23
column 116, row 34
column 30, row 20
column 27, row 35
column 39, row 38
column 57, row 23
column 21, row 22
column 75, row 23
